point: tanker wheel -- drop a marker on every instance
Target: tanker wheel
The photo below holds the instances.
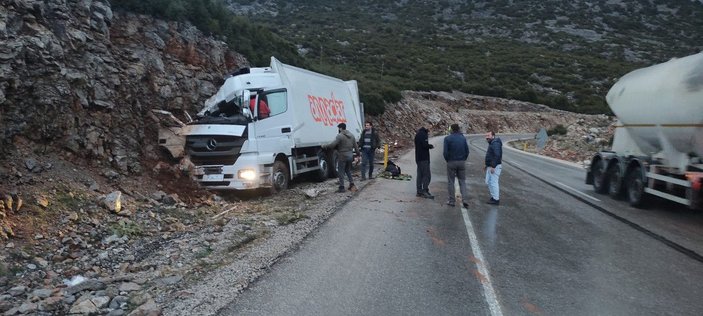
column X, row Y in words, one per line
column 615, row 183
column 635, row 187
column 323, row 162
column 600, row 183
column 279, row 177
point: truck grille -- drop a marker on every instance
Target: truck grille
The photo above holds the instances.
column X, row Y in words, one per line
column 214, row 149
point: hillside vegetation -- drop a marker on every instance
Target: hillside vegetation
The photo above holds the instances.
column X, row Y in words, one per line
column 562, row 54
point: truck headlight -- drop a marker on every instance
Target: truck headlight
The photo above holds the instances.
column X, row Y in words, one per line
column 247, row 174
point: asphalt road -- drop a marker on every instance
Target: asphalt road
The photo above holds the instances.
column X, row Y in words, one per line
column 543, row 251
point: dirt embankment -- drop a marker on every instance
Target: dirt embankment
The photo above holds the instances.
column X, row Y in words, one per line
column 585, row 134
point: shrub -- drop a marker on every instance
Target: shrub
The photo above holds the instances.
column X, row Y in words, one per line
column 557, row 130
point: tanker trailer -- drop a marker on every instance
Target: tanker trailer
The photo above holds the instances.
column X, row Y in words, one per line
column 658, row 142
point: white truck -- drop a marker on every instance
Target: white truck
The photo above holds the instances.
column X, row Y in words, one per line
column 658, row 145
column 265, row 126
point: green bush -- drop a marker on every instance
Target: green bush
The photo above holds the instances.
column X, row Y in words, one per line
column 557, row 130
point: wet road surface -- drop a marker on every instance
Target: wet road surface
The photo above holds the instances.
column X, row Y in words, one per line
column 541, row 252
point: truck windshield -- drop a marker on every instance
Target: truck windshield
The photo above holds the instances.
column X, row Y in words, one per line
column 225, row 113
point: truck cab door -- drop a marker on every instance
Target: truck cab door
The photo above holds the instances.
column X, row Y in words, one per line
column 273, row 129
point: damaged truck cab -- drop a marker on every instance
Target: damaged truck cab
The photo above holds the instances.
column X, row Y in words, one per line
column 266, row 126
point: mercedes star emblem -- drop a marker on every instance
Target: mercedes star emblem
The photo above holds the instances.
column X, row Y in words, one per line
column 211, row 144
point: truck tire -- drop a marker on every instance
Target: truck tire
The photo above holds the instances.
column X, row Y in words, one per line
column 615, row 181
column 332, row 157
column 635, row 187
column 324, row 163
column 280, row 177
column 600, row 182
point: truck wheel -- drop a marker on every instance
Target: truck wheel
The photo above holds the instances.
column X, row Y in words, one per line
column 332, row 157
column 323, row 162
column 279, row 177
column 635, row 187
column 615, row 183
column 600, row 183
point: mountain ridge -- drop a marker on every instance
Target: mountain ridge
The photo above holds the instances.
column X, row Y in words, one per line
column 563, row 54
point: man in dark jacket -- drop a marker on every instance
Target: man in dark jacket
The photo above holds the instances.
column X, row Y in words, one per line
column 346, row 147
column 456, row 151
column 422, row 159
column 493, row 166
column 368, row 143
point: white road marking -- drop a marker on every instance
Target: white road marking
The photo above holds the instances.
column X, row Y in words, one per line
column 577, row 191
column 481, row 264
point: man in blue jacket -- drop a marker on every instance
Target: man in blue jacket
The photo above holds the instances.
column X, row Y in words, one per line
column 494, row 166
column 456, row 151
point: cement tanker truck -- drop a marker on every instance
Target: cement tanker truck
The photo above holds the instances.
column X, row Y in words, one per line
column 658, row 144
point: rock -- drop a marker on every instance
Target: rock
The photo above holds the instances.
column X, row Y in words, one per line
column 42, row 201
column 18, row 204
column 169, row 280
column 42, row 293
column 116, row 312
column 139, row 298
column 27, row 308
column 125, row 213
column 50, row 304
column 129, row 287
column 92, row 285
column 158, row 195
column 17, row 290
column 94, row 187
column 101, row 301
column 147, row 309
column 32, row 165
column 13, row 311
column 311, row 193
column 86, row 307
column 41, row 262
column 8, row 202
column 119, row 302
column 110, row 174
column 31, row 266
column 171, row 199
column 10, row 245
column 594, row 131
column 73, row 216
column 113, row 201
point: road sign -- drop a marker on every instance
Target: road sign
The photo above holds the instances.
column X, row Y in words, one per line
column 541, row 139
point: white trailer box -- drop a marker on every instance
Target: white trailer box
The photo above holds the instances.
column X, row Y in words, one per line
column 265, row 126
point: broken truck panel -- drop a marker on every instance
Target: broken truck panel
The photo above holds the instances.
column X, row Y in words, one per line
column 170, row 132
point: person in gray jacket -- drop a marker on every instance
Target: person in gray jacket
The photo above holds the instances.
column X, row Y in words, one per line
column 456, row 151
column 346, row 147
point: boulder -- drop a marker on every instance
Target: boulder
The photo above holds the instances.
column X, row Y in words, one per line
column 87, row 285
column 85, row 307
column 147, row 309
column 113, row 201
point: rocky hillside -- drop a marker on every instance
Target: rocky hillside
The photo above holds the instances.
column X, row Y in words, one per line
column 476, row 115
column 78, row 155
column 79, row 79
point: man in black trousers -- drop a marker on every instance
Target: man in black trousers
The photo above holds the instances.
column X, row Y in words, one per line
column 422, row 159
